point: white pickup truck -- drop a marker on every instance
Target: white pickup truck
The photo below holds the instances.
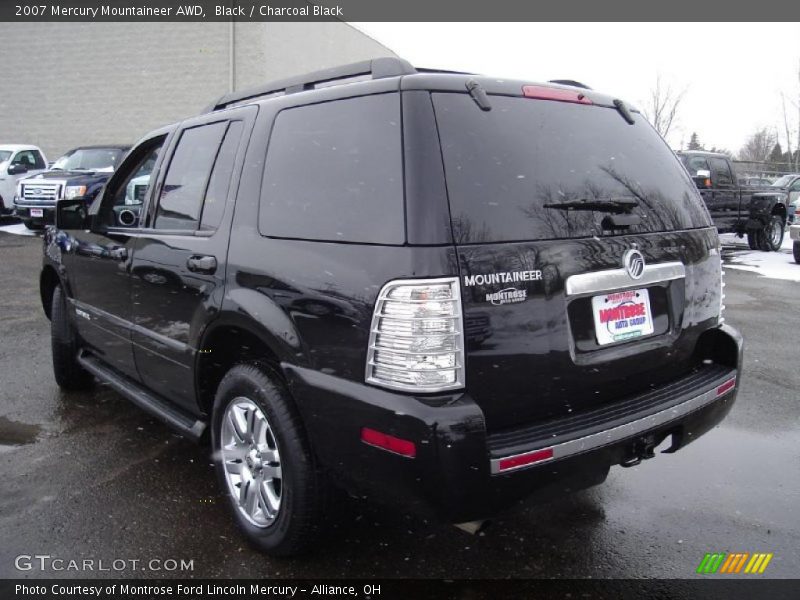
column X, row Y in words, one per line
column 17, row 161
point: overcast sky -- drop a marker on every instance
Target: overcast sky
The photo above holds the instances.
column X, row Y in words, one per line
column 733, row 74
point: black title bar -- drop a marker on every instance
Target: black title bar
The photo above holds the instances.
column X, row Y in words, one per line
column 396, row 10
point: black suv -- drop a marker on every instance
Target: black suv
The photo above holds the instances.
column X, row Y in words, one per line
column 442, row 291
column 79, row 174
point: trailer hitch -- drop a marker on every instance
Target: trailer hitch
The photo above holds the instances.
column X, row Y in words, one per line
column 641, row 449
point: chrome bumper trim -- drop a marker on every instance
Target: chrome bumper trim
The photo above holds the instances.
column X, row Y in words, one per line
column 612, row 280
column 616, row 434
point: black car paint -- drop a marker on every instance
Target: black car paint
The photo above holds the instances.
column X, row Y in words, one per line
column 736, row 208
column 140, row 310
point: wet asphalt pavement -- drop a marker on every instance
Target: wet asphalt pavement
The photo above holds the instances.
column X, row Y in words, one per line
column 89, row 476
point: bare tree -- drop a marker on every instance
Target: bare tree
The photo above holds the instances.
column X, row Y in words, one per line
column 758, row 146
column 662, row 107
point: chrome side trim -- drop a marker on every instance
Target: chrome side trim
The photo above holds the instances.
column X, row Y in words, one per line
column 611, row 280
column 616, row 434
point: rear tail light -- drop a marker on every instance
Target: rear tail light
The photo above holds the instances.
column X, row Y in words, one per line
column 417, row 338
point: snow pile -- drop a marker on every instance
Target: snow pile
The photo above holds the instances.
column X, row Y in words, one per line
column 775, row 265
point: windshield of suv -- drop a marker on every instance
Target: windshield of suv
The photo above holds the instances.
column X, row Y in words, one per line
column 508, row 169
column 90, row 159
column 783, row 181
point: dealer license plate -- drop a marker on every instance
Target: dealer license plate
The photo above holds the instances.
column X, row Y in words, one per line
column 37, row 212
column 622, row 316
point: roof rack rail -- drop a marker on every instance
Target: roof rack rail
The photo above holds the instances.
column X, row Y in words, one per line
column 377, row 68
column 570, row 82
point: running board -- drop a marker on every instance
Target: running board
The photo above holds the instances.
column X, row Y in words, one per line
column 185, row 424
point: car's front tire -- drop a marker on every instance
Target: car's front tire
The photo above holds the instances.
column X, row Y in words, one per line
column 754, row 239
column 68, row 372
column 796, row 252
column 264, row 461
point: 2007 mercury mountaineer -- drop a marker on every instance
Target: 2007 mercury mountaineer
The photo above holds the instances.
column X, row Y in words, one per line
column 443, row 291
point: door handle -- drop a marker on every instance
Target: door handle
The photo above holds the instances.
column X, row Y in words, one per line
column 202, row 264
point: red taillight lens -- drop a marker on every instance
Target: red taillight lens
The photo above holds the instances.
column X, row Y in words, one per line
column 521, row 460
column 547, row 93
column 388, row 442
column 726, row 387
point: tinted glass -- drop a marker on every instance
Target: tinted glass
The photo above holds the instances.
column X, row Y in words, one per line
column 720, row 171
column 122, row 203
column 334, row 172
column 185, row 184
column 503, row 166
column 220, row 181
column 92, row 159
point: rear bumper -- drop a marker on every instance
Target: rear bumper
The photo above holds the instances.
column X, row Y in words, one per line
column 461, row 472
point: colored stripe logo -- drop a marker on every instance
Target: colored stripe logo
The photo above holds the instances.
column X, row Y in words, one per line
column 735, row 562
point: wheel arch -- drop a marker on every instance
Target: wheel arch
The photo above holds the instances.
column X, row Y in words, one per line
column 234, row 338
column 48, row 282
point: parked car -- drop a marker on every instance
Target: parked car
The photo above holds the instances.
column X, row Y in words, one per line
column 760, row 213
column 79, row 174
column 754, row 182
column 17, row 161
column 791, row 185
column 794, row 234
column 440, row 291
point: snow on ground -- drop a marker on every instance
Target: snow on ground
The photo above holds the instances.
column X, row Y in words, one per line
column 775, row 265
column 16, row 229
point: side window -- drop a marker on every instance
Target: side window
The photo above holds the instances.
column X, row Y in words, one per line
column 795, row 187
column 697, row 163
column 334, row 172
column 181, row 200
column 26, row 158
column 220, row 181
column 123, row 201
column 720, row 172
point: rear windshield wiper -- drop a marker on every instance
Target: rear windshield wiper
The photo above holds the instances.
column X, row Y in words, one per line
column 612, row 205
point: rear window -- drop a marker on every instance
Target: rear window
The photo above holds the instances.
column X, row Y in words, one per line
column 504, row 165
column 334, row 172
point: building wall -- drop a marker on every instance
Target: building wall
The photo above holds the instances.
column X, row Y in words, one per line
column 69, row 84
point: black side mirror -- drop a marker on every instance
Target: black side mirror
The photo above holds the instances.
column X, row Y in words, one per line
column 72, row 214
column 17, row 169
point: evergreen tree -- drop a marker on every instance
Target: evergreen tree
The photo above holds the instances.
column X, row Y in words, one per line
column 694, row 142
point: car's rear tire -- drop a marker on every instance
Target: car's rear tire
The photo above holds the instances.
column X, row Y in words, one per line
column 68, row 372
column 796, row 252
column 264, row 461
column 771, row 236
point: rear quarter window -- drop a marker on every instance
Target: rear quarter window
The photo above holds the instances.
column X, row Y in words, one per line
column 503, row 166
column 334, row 172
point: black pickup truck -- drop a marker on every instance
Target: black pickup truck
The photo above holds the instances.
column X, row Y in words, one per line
column 758, row 212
